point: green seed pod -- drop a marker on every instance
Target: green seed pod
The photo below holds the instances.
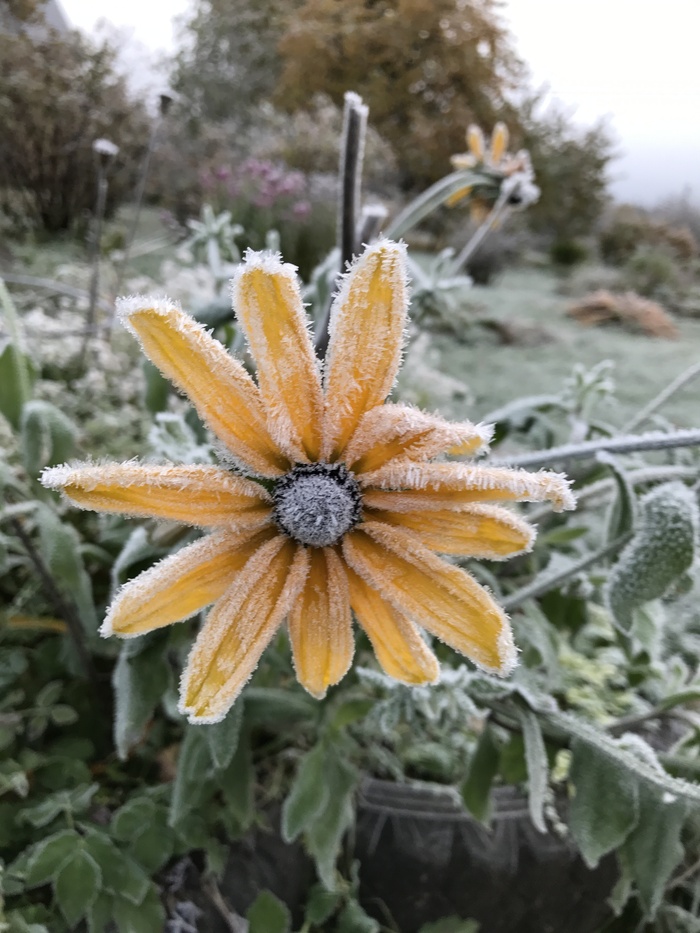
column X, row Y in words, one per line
column 660, row 552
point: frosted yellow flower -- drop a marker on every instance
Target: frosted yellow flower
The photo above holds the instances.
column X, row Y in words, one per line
column 494, row 158
column 328, row 501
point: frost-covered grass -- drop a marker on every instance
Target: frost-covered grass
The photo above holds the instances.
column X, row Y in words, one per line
column 497, row 374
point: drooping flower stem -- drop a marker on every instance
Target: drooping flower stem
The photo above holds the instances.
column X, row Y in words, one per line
column 351, row 157
column 632, row 443
column 471, row 246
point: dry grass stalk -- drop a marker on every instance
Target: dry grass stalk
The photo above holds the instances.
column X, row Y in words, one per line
column 628, row 309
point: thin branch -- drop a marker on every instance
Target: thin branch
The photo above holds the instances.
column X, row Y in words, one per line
column 654, row 440
column 64, row 608
column 58, row 288
column 543, row 584
column 678, row 383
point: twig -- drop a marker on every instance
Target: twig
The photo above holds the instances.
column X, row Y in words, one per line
column 663, row 397
column 654, row 440
column 351, row 156
column 65, row 609
column 544, row 583
column 232, row 920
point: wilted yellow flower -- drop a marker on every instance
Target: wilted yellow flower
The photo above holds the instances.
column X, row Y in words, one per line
column 327, row 502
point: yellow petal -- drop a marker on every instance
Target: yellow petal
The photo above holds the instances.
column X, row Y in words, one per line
column 442, row 598
column 399, row 432
column 397, row 642
column 449, row 485
column 181, row 584
column 196, row 495
column 268, row 305
column 239, row 628
column 463, row 160
column 485, row 531
column 479, row 210
column 320, row 624
column 366, row 334
column 475, row 142
column 218, row 386
column 499, row 143
column 459, row 195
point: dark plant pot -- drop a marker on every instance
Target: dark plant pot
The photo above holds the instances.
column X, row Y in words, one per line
column 423, row 857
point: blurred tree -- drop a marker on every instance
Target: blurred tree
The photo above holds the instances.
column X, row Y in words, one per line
column 570, row 165
column 228, row 61
column 427, row 68
column 58, row 93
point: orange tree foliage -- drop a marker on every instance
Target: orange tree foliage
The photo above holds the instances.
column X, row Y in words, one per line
column 427, row 68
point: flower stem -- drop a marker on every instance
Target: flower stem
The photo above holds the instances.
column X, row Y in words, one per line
column 632, row 443
column 351, row 156
column 678, row 383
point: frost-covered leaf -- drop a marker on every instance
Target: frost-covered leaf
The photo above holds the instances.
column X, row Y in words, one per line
column 47, row 436
column 353, row 919
column 145, row 917
column 222, row 737
column 140, row 678
column 320, row 904
column 605, row 806
column 77, row 885
column 193, row 768
column 537, row 768
column 237, row 784
column 654, row 847
column 120, row 873
column 60, row 547
column 133, row 818
column 48, row 856
column 267, row 914
column 308, row 795
column 623, row 511
column 476, row 789
column 16, row 379
column 325, row 835
column 661, row 551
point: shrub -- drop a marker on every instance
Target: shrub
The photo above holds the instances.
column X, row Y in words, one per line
column 57, row 95
column 629, row 228
column 567, row 253
column 651, row 272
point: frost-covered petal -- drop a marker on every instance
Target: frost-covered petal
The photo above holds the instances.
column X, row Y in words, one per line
column 450, row 485
column 202, row 495
column 397, row 642
column 239, row 628
column 442, row 598
column 320, row 624
column 366, row 335
column 485, row 531
column 476, row 142
column 269, row 308
column 218, row 386
column 399, row 432
column 499, row 143
column 181, row 584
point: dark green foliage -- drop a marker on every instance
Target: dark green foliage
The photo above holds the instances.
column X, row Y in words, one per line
column 567, row 253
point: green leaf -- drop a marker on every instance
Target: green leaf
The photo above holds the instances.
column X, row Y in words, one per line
column 44, row 812
column 308, row 795
column 222, row 737
column 325, row 835
column 623, row 512
column 193, row 768
column 99, row 914
column 605, row 806
column 47, row 436
column 320, row 904
column 353, row 919
column 60, row 548
column 49, row 855
column 661, row 551
column 237, row 784
column 277, row 707
column 350, row 711
column 120, row 874
column 267, row 914
column 139, row 681
column 133, row 818
column 77, row 885
column 483, row 767
column 63, row 715
column 654, row 847
column 145, row 917
column 49, row 693
column 16, row 378
column 537, row 767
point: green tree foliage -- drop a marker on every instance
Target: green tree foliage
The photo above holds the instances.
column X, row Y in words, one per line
column 426, row 68
column 228, row 62
column 570, row 165
column 57, row 95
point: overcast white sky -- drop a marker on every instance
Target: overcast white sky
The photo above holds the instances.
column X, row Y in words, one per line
column 633, row 61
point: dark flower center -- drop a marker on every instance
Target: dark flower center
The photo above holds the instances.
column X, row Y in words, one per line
column 317, row 503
